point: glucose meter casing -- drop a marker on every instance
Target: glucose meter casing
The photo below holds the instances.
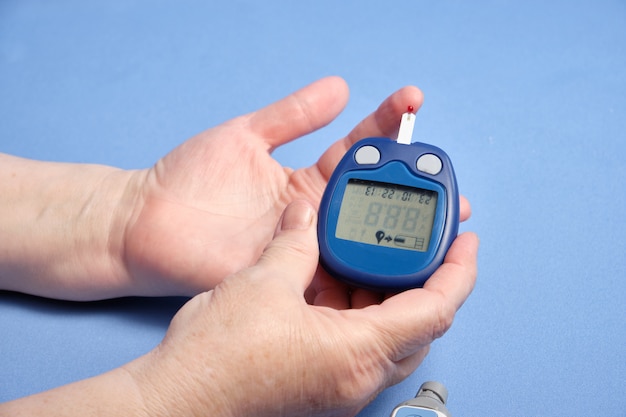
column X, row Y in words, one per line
column 388, row 215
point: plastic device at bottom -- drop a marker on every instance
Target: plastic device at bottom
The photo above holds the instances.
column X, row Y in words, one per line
column 430, row 401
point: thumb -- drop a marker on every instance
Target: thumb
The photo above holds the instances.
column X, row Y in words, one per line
column 302, row 112
column 293, row 254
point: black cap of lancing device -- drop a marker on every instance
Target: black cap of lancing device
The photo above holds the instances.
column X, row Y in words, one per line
column 432, row 396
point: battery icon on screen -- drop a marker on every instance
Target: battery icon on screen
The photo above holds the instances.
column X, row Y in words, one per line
column 409, row 242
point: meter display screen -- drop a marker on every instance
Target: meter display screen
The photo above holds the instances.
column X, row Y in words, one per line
column 385, row 214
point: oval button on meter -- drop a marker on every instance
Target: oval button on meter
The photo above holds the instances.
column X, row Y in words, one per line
column 388, row 215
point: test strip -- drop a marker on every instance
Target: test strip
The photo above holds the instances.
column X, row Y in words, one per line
column 405, row 133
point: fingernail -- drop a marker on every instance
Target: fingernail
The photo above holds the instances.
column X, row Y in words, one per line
column 298, row 216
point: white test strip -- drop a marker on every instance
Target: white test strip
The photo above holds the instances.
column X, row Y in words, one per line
column 405, row 133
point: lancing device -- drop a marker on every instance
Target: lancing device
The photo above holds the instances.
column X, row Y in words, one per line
column 389, row 213
column 430, row 401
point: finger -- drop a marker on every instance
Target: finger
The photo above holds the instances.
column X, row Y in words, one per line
column 292, row 255
column 465, row 209
column 329, row 292
column 456, row 277
column 385, row 122
column 300, row 113
column 361, row 298
column 419, row 316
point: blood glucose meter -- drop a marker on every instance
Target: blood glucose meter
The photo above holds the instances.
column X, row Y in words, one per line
column 389, row 213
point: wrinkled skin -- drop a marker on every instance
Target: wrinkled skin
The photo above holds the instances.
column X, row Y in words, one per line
column 209, row 207
column 253, row 345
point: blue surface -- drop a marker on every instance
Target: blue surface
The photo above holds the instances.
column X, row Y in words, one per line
column 527, row 98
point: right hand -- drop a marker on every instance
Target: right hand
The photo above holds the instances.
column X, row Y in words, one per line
column 254, row 346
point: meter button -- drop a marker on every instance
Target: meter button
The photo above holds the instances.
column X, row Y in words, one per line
column 367, row 155
column 429, row 163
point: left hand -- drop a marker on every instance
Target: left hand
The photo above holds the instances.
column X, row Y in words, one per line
column 209, row 207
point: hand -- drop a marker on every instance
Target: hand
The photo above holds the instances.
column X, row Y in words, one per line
column 253, row 346
column 209, row 207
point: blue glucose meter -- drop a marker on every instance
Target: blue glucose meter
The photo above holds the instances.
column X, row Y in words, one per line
column 389, row 213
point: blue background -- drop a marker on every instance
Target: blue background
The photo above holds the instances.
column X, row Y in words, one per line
column 528, row 99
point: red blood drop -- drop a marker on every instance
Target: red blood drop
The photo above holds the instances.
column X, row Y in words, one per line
column 410, row 109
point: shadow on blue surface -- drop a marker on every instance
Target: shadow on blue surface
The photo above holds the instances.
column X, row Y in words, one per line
column 156, row 312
